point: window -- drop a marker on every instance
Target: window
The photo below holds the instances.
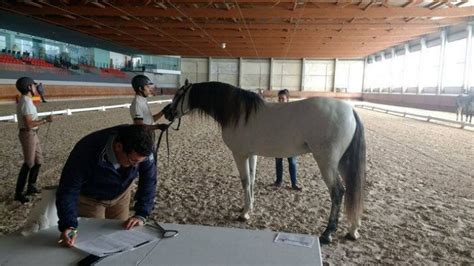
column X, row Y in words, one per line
column 3, row 42
column 397, row 71
column 51, row 49
column 23, row 45
column 454, row 61
column 412, row 69
column 431, row 67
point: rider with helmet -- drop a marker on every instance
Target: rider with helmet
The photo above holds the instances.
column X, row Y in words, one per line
column 139, row 109
column 28, row 124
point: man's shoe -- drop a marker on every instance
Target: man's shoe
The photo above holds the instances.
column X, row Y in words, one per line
column 21, row 198
column 32, row 190
column 296, row 188
column 277, row 184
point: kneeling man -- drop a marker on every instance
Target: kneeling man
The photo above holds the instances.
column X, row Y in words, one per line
column 97, row 178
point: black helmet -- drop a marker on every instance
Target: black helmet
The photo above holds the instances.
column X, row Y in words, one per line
column 23, row 83
column 139, row 82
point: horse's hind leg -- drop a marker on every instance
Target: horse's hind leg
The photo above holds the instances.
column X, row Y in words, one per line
column 242, row 164
column 329, row 171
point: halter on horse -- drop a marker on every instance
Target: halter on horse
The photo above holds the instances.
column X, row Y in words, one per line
column 329, row 129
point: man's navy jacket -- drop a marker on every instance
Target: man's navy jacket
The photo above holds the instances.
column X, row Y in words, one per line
column 88, row 172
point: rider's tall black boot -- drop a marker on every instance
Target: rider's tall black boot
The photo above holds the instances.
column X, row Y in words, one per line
column 32, row 189
column 20, row 184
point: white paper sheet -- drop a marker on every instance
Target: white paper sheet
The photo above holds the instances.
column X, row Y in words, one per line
column 296, row 240
column 116, row 242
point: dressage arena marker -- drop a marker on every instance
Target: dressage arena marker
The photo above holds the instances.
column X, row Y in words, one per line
column 426, row 118
column 14, row 118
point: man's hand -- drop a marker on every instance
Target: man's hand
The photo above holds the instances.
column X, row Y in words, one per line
column 132, row 222
column 68, row 237
column 162, row 127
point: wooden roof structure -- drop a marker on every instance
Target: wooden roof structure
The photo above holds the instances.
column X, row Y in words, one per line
column 251, row 28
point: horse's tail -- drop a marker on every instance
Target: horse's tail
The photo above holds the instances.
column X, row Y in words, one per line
column 352, row 168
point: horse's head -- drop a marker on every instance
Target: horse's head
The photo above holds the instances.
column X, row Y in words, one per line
column 179, row 106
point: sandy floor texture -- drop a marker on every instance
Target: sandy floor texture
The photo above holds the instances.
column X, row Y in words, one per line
column 419, row 194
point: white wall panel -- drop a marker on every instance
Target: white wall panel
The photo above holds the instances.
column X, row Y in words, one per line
column 255, row 74
column 349, row 75
column 194, row 69
column 225, row 70
column 319, row 75
column 286, row 74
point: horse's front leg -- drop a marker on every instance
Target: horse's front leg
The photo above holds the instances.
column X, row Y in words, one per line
column 253, row 170
column 242, row 164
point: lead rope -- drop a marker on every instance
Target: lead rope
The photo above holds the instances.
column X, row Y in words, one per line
column 167, row 140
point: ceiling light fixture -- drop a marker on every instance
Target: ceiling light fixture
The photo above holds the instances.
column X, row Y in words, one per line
column 31, row 3
column 223, row 45
column 97, row 4
column 68, row 16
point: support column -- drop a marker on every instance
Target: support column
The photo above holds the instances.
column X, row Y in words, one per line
column 392, row 59
column 334, row 75
column 420, row 66
column 468, row 64
column 442, row 52
column 404, row 84
column 303, row 62
column 209, row 60
column 364, row 75
column 240, row 73
column 270, row 75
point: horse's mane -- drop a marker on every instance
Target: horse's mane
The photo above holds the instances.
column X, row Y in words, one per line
column 224, row 102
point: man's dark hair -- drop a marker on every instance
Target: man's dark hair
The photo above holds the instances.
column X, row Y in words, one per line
column 135, row 138
column 284, row 92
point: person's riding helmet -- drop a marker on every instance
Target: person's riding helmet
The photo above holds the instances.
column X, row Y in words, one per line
column 23, row 83
column 139, row 82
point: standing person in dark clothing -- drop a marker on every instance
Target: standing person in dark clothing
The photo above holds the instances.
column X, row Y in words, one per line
column 40, row 89
column 96, row 180
column 28, row 124
column 283, row 97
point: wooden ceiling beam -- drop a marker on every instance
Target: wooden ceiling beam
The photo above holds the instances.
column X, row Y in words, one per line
column 269, row 40
column 259, row 34
column 258, row 13
column 358, row 24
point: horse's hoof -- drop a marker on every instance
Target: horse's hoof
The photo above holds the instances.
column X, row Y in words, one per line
column 241, row 219
column 325, row 240
column 350, row 237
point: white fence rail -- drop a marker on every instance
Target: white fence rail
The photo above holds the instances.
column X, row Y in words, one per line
column 415, row 116
column 14, row 118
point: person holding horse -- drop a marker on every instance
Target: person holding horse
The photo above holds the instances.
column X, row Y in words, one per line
column 28, row 124
column 139, row 109
column 96, row 180
column 283, row 97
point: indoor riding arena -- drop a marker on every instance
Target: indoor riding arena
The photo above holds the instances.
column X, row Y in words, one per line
column 406, row 67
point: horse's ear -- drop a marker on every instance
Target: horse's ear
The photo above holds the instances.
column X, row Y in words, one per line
column 186, row 82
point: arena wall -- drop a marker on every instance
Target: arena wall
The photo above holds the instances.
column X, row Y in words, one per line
column 422, row 101
column 8, row 92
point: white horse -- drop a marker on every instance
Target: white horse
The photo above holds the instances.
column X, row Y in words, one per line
column 329, row 129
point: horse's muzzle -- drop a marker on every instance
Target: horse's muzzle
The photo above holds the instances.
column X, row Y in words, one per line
column 168, row 112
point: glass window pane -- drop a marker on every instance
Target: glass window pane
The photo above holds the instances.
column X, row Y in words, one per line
column 431, row 66
column 454, row 61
